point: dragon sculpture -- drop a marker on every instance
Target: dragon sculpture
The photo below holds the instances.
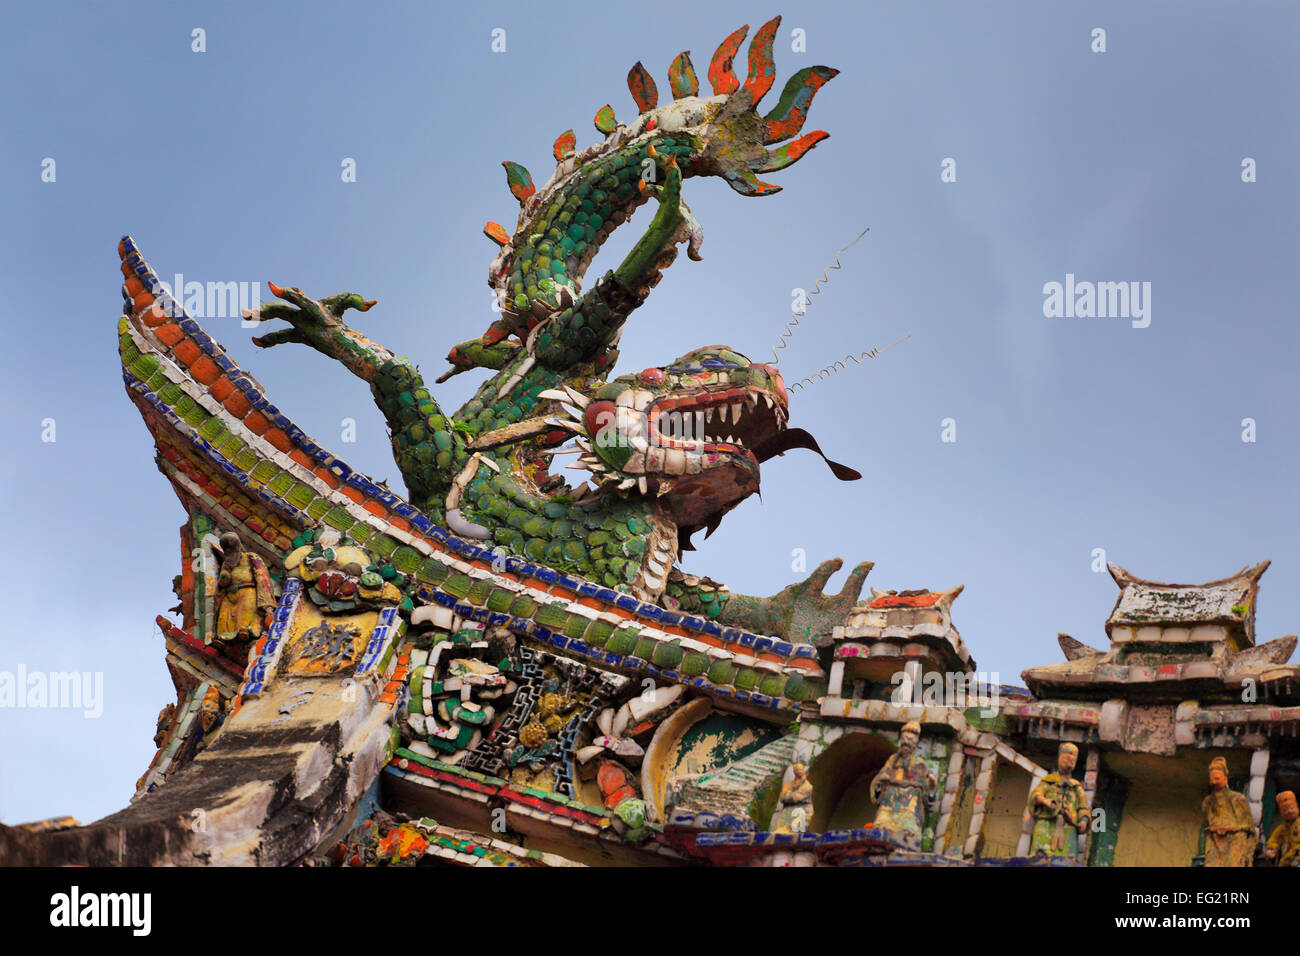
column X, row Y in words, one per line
column 499, row 634
column 669, row 450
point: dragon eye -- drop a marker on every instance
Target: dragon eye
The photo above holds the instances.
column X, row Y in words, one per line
column 652, row 376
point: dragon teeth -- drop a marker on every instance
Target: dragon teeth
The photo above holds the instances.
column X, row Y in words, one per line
column 708, row 414
column 582, row 401
column 722, row 412
column 735, row 413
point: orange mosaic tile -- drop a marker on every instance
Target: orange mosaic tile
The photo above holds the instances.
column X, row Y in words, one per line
column 237, row 404
column 279, row 439
column 221, row 389
column 186, row 351
column 256, row 422
column 205, row 370
column 169, row 334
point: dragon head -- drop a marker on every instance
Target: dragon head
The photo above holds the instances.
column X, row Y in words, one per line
column 692, row 434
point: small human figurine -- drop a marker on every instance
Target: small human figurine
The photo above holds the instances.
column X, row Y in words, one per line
column 210, row 715
column 902, row 789
column 1283, row 846
column 1229, row 830
column 244, row 595
column 794, row 810
column 1059, row 808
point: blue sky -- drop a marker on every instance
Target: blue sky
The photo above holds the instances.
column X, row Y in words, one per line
column 1072, row 434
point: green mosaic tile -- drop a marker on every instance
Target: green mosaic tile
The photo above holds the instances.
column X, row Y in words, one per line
column 383, row 544
column 499, row 600
column 212, row 429
column 264, row 471
column 772, row 685
column 317, row 508
column 623, row 641
column 196, row 416
column 576, row 626
column 457, row 585
column 598, row 632
column 433, row 571
column 747, row 678
column 245, row 460
column 523, row 606
column 281, row 483
column 157, row 380
column 300, row 495
column 722, row 672
column 231, row 446
column 694, row 665
column 170, row 393
column 130, row 351
column 406, row 559
column 479, row 591
column 338, row 517
column 554, row 615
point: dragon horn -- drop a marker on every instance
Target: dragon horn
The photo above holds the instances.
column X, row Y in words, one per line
column 762, row 68
column 642, row 87
column 497, row 233
column 520, row 181
column 720, row 76
column 566, row 141
column 788, row 154
column 682, row 78
column 605, row 121
column 787, row 117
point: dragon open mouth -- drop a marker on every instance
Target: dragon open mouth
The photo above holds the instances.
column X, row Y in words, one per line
column 735, row 421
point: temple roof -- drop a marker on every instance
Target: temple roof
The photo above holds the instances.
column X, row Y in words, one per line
column 1153, row 611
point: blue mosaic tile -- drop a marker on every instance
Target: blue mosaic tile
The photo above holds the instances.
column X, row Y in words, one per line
column 761, row 699
column 628, row 603
column 496, row 619
column 670, row 617
column 633, row 663
column 545, row 574
column 404, row 510
column 713, row 628
column 422, row 524
column 224, row 363
column 742, row 695
column 651, row 611
column 747, row 640
column 543, row 633
column 612, row 659
column 731, row 634
column 570, row 582
column 782, row 648
column 693, row 622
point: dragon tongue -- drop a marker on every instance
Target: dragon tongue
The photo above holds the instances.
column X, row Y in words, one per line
column 798, row 438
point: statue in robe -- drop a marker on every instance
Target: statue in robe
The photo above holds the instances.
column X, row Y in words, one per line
column 1059, row 808
column 1283, row 846
column 1229, row 830
column 903, row 789
column 794, row 809
column 244, row 596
